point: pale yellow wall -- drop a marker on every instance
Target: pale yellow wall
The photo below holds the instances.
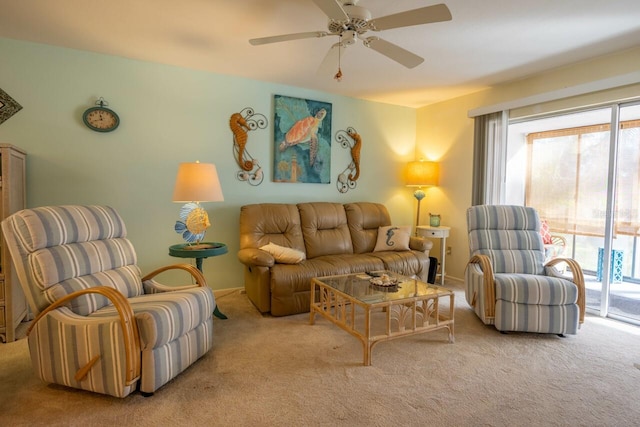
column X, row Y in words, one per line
column 171, row 115
column 445, row 133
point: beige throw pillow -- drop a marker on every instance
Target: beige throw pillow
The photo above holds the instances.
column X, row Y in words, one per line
column 393, row 238
column 284, row 255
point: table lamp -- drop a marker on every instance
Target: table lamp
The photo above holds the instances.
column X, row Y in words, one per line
column 195, row 183
column 421, row 174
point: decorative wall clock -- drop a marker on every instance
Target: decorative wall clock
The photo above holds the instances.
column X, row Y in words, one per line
column 100, row 118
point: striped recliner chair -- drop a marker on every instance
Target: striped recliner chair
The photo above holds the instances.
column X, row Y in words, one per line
column 99, row 325
column 507, row 283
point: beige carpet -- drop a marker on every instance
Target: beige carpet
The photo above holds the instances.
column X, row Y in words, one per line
column 284, row 372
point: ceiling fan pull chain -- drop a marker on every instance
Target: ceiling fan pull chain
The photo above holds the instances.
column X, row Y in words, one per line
column 338, row 75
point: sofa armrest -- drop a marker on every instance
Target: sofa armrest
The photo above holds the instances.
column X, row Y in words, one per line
column 256, row 257
column 420, row 244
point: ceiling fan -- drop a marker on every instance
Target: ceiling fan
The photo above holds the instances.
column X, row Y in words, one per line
column 350, row 22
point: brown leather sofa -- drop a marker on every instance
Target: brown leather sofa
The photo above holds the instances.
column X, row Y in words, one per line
column 335, row 239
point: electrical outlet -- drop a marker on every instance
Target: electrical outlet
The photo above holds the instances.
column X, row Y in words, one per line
column 448, row 250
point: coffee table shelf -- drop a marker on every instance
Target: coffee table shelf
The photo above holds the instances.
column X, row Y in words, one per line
column 352, row 303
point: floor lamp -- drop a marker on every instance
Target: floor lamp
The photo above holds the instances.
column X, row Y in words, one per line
column 421, row 174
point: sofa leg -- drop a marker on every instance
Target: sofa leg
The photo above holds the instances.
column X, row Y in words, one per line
column 562, row 335
column 146, row 394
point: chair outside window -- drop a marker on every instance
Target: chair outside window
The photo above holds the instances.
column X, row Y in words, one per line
column 100, row 325
column 507, row 282
column 554, row 245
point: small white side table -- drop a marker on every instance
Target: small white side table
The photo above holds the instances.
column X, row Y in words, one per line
column 441, row 232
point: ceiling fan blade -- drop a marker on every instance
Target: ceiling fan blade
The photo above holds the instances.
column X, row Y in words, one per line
column 330, row 63
column 395, row 52
column 333, row 9
column 287, row 37
column 424, row 15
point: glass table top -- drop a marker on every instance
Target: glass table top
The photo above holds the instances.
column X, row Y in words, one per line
column 360, row 287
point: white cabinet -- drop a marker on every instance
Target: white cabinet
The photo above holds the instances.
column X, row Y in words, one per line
column 13, row 304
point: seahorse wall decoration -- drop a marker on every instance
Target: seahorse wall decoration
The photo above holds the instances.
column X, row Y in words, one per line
column 241, row 123
column 355, row 153
column 239, row 127
column 349, row 139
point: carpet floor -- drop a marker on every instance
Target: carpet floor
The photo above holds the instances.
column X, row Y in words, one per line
column 281, row 371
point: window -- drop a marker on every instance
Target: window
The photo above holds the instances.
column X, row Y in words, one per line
column 567, row 173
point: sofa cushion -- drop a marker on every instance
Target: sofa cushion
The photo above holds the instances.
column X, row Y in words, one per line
column 393, row 238
column 364, row 219
column 284, row 255
column 264, row 223
column 290, row 284
column 408, row 263
column 324, row 228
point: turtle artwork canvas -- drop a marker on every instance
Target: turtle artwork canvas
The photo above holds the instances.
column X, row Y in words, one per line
column 302, row 139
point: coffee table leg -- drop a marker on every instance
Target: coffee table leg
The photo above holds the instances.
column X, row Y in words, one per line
column 367, row 332
column 366, row 347
column 452, row 339
column 312, row 297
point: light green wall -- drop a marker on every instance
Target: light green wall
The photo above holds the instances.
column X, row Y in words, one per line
column 171, row 115
column 445, row 134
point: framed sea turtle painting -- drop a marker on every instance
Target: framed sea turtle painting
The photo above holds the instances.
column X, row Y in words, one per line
column 302, row 140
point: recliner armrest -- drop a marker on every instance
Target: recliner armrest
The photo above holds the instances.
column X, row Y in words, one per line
column 127, row 323
column 577, row 277
column 256, row 257
column 193, row 271
column 484, row 263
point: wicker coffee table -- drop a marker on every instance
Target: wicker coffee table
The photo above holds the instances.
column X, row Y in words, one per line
column 375, row 313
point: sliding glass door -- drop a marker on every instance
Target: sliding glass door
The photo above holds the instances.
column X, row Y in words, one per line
column 583, row 179
column 624, row 290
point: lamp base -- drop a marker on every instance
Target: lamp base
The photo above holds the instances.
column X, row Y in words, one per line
column 419, row 195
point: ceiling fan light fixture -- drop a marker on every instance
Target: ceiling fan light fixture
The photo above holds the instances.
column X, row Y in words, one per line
column 348, row 38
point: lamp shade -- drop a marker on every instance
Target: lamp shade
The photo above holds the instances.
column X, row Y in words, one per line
column 422, row 174
column 197, row 182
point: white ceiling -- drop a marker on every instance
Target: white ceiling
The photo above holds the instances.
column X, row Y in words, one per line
column 487, row 42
